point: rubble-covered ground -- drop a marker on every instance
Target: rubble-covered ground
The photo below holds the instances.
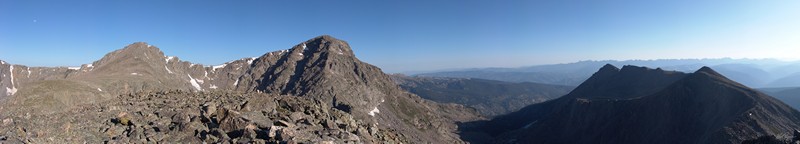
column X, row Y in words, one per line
column 176, row 116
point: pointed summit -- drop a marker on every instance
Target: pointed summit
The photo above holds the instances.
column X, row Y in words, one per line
column 137, row 50
column 136, row 58
column 708, row 71
column 324, row 44
column 141, row 47
column 605, row 71
column 608, row 68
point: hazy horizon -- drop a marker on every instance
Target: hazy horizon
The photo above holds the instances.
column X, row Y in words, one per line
column 404, row 36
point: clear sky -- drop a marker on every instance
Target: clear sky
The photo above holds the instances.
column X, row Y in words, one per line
column 404, row 35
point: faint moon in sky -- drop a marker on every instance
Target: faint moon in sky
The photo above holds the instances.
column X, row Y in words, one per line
column 34, row 20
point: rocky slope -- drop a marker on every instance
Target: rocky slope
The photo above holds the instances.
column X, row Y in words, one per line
column 648, row 106
column 489, row 97
column 323, row 69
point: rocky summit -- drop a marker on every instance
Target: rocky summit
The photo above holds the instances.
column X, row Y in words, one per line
column 315, row 92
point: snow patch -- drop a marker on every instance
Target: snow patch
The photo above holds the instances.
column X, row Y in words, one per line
column 98, row 89
column 250, row 61
column 213, row 87
column 281, row 52
column 29, row 72
column 236, row 83
column 374, row 111
column 168, row 59
column 149, row 45
column 219, row 66
column 529, row 124
column 136, row 74
column 194, row 83
column 74, row 68
column 165, row 67
column 13, row 89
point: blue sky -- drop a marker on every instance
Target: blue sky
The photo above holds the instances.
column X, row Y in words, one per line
column 407, row 35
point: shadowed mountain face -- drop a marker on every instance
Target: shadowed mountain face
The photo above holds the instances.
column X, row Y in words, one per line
column 489, row 97
column 649, row 106
column 323, row 69
column 790, row 96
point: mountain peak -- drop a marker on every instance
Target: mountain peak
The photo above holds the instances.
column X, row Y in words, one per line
column 324, row 37
column 628, row 82
column 140, row 49
column 132, row 56
column 324, row 44
column 609, row 67
column 140, row 46
column 708, row 70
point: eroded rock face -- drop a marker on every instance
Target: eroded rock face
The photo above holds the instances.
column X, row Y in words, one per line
column 215, row 117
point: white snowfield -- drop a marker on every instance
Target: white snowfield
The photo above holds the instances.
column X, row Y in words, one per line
column 194, row 83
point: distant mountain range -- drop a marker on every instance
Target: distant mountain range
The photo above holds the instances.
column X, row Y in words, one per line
column 642, row 105
column 489, row 97
column 129, row 96
column 751, row 72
